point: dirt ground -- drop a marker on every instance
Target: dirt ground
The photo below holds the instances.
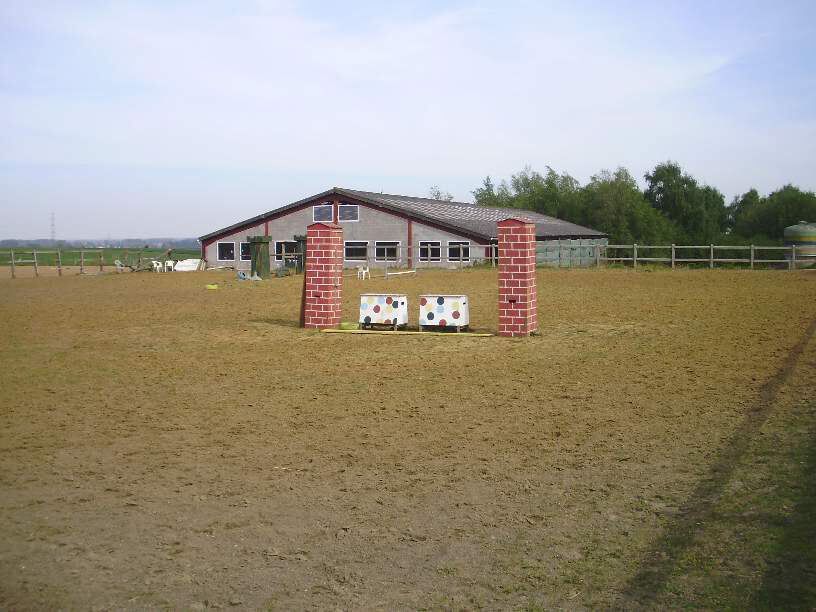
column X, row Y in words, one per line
column 163, row 445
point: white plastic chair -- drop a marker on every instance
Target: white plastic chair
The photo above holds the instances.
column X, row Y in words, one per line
column 168, row 265
column 157, row 266
column 363, row 272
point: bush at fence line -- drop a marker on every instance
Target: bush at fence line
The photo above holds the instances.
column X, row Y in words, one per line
column 481, row 263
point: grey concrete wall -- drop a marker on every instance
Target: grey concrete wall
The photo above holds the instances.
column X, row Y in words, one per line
column 567, row 253
column 211, row 252
column 424, row 233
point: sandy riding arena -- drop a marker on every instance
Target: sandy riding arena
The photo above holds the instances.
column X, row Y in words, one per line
column 167, row 446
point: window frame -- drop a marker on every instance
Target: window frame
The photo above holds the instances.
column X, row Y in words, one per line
column 324, row 205
column 281, row 257
column 460, row 244
column 428, row 244
column 397, row 244
column 340, row 217
column 241, row 251
column 358, row 243
column 218, row 250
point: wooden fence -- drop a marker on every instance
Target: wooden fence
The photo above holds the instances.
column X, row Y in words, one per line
column 634, row 254
column 86, row 260
column 701, row 254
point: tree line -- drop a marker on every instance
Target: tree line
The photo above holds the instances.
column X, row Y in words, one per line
column 673, row 208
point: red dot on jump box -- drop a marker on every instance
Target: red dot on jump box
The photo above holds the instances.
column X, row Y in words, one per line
column 442, row 323
column 423, row 301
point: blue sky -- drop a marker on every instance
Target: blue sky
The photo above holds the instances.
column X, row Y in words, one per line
column 170, row 118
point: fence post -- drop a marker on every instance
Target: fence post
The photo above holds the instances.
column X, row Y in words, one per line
column 597, row 255
column 36, row 266
column 711, row 258
column 559, row 254
column 13, row 271
column 672, row 256
column 634, row 255
column 101, row 264
column 81, row 262
column 752, row 256
column 59, row 263
column 793, row 257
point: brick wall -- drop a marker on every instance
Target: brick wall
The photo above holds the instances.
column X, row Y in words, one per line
column 324, row 275
column 517, row 280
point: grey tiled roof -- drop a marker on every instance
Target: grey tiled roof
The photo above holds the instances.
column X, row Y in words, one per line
column 478, row 219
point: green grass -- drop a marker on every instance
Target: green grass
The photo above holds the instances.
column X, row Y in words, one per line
column 72, row 256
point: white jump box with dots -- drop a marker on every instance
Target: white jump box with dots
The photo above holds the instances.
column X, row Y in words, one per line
column 443, row 311
column 383, row 309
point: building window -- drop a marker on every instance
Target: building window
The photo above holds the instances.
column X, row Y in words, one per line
column 356, row 251
column 323, row 212
column 245, row 252
column 226, row 251
column 386, row 251
column 430, row 251
column 285, row 249
column 459, row 251
column 348, row 212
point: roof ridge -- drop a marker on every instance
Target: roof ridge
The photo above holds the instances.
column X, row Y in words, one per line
column 397, row 195
column 456, row 203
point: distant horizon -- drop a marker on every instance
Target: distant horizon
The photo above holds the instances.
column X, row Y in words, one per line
column 101, row 240
column 180, row 238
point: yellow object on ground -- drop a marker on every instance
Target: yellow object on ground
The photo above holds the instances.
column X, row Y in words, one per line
column 386, row 332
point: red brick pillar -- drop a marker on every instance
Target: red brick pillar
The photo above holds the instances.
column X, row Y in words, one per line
column 517, row 281
column 324, row 275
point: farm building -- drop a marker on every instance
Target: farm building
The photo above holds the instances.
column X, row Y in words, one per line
column 399, row 231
